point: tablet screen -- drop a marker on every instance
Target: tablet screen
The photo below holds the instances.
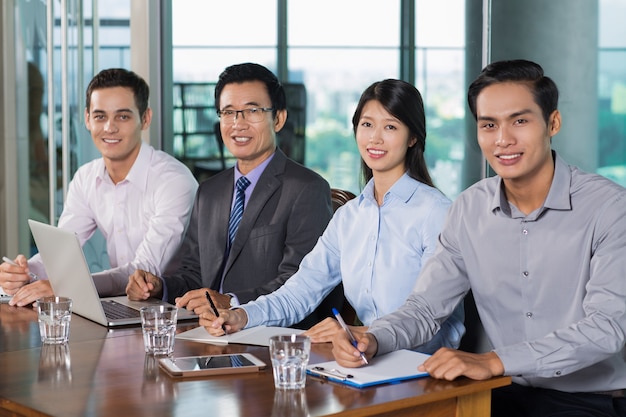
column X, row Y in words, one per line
column 213, row 362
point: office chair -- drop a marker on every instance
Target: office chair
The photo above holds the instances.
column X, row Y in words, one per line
column 340, row 197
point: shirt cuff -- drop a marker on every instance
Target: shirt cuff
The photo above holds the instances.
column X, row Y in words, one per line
column 385, row 340
column 234, row 301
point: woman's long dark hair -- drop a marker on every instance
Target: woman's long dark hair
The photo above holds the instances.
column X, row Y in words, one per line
column 404, row 102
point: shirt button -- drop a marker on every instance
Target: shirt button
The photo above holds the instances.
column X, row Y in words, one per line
column 525, row 231
column 369, row 264
column 525, row 273
column 529, row 314
column 558, row 373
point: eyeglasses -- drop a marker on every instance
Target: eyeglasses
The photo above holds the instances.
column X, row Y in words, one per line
column 252, row 115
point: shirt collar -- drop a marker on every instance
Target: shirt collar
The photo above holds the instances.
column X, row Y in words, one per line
column 254, row 175
column 560, row 190
column 138, row 174
column 402, row 190
column 558, row 197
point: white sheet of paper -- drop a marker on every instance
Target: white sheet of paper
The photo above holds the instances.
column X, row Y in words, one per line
column 253, row 336
column 393, row 367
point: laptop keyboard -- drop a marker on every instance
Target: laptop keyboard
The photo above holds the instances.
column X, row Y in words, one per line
column 115, row 310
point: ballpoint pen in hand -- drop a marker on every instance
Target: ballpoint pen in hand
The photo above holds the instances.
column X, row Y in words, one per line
column 30, row 274
column 350, row 335
column 217, row 313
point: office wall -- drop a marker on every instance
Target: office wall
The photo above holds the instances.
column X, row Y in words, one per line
column 561, row 35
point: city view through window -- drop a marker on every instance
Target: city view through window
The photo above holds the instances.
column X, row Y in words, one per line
column 335, row 66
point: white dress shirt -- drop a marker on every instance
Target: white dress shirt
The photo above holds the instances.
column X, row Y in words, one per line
column 143, row 218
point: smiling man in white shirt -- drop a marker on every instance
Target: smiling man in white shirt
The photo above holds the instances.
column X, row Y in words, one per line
column 138, row 197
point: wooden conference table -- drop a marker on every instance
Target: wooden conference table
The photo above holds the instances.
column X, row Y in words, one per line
column 104, row 372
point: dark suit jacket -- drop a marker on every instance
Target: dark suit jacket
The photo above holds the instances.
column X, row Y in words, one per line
column 285, row 215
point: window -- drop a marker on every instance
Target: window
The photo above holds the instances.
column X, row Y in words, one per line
column 612, row 91
column 335, row 66
column 208, row 36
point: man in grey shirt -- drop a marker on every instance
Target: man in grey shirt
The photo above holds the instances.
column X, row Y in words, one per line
column 542, row 245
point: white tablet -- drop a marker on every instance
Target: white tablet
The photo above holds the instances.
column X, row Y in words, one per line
column 190, row 366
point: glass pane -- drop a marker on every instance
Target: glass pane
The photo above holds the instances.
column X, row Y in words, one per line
column 612, row 91
column 440, row 24
column 195, row 121
column 371, row 23
column 440, row 79
column 334, row 80
column 32, row 115
column 204, row 64
column 226, row 23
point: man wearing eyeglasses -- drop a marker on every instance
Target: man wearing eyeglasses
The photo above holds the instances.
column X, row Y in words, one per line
column 285, row 207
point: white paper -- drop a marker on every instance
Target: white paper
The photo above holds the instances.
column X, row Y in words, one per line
column 392, row 367
column 253, row 336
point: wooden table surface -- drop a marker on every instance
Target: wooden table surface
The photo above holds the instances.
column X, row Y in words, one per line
column 104, row 372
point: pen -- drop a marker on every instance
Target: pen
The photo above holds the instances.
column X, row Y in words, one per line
column 30, row 274
column 217, row 313
column 331, row 373
column 345, row 327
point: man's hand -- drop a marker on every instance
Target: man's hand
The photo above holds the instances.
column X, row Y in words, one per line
column 449, row 364
column 143, row 285
column 325, row 330
column 195, row 299
column 28, row 294
column 12, row 277
column 229, row 321
column 349, row 356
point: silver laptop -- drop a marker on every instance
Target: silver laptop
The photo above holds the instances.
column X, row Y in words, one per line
column 69, row 276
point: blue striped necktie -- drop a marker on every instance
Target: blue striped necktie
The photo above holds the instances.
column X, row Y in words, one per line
column 237, row 211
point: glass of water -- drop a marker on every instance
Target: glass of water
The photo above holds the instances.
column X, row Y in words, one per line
column 290, row 356
column 158, row 324
column 54, row 315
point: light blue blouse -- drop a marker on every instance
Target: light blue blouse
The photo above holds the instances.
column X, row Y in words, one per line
column 377, row 252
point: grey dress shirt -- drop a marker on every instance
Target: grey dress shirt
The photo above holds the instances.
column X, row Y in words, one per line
column 550, row 287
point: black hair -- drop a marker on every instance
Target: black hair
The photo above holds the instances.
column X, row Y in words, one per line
column 119, row 77
column 543, row 89
column 248, row 71
column 404, row 102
